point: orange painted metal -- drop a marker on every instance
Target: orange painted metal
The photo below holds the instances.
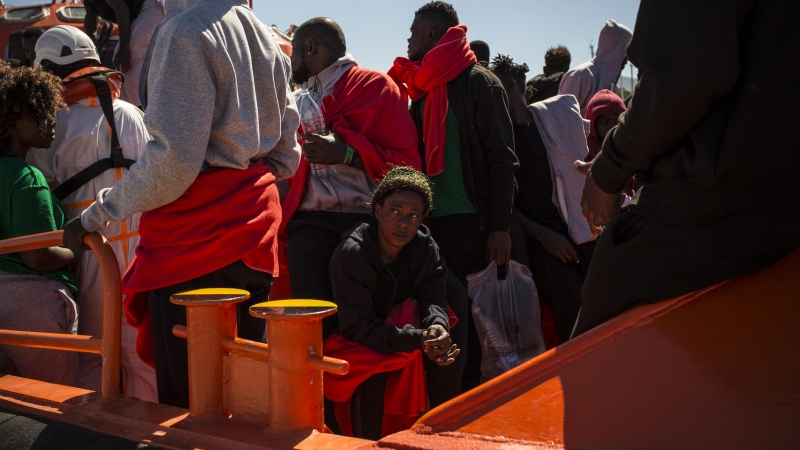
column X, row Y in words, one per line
column 210, row 319
column 109, row 345
column 718, row 368
column 69, row 342
column 160, row 425
column 294, row 333
column 51, row 20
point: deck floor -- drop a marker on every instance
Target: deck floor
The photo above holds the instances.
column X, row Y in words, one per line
column 24, row 431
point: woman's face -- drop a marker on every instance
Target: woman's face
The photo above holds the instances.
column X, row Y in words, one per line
column 31, row 135
column 604, row 124
column 399, row 218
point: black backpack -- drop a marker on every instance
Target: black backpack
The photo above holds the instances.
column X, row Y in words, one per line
column 116, row 160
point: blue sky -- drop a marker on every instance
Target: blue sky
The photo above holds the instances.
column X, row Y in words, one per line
column 376, row 30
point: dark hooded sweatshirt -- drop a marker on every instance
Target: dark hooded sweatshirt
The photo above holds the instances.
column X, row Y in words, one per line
column 365, row 289
column 714, row 120
column 544, row 86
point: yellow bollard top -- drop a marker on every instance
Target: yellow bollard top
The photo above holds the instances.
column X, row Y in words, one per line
column 293, row 309
column 215, row 296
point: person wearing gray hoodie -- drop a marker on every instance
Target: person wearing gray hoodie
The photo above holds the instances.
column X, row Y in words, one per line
column 215, row 89
column 603, row 71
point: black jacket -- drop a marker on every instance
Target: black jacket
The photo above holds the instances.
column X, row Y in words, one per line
column 712, row 127
column 364, row 288
column 480, row 104
column 544, row 87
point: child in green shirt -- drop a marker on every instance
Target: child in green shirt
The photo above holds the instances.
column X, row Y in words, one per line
column 36, row 286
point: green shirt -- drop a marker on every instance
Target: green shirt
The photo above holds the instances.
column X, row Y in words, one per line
column 28, row 207
column 449, row 194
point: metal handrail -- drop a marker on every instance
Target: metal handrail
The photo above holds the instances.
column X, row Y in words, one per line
column 108, row 346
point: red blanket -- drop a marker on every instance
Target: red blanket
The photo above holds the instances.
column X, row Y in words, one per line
column 430, row 77
column 406, row 396
column 225, row 215
column 367, row 111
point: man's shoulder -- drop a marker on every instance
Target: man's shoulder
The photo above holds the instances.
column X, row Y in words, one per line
column 123, row 108
column 477, row 76
column 366, row 75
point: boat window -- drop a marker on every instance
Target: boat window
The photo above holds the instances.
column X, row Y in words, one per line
column 71, row 14
column 28, row 14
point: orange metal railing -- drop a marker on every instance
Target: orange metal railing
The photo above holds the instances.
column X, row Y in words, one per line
column 108, row 346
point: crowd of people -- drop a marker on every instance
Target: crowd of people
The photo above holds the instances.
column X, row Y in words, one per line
column 201, row 175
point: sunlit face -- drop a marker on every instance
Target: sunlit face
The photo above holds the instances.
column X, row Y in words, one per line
column 604, row 124
column 31, row 134
column 399, row 217
column 418, row 43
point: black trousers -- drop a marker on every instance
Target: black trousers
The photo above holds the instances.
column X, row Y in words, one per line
column 462, row 244
column 312, row 236
column 368, row 400
column 171, row 357
column 639, row 261
column 559, row 284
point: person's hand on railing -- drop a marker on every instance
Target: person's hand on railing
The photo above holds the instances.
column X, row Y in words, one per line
column 74, row 233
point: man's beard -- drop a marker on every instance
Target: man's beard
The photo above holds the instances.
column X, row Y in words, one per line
column 302, row 74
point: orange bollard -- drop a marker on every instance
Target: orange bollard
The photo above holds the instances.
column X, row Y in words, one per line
column 294, row 334
column 210, row 320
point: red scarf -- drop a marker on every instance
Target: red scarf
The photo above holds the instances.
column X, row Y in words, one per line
column 406, row 395
column 367, row 111
column 225, row 216
column 430, row 77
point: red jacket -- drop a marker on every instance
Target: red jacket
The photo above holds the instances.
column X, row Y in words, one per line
column 367, row 111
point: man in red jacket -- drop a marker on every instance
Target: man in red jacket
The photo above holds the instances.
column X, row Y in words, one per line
column 366, row 118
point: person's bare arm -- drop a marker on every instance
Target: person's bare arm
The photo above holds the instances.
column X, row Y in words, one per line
column 90, row 22
column 122, row 60
column 554, row 243
column 47, row 259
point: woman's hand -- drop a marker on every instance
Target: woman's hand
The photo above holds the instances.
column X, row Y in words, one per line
column 438, row 346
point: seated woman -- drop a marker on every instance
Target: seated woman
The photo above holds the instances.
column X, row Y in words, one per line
column 391, row 287
column 36, row 287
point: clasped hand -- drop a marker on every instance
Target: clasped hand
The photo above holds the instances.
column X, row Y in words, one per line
column 599, row 207
column 438, row 346
column 328, row 150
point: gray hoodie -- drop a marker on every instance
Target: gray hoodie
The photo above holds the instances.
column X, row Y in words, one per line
column 217, row 96
column 603, row 70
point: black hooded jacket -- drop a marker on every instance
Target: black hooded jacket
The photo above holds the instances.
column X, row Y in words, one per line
column 365, row 289
column 544, row 87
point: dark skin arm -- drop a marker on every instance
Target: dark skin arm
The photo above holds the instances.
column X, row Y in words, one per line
column 90, row 22
column 122, row 60
column 554, row 243
column 328, row 150
column 51, row 258
column 599, row 207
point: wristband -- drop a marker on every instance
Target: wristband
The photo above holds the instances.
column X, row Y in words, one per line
column 348, row 159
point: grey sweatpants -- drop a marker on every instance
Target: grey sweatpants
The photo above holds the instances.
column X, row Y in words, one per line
column 35, row 303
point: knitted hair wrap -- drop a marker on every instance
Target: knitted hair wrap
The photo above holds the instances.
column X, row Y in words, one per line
column 404, row 179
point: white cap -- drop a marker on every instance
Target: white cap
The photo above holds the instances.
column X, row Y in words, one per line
column 64, row 45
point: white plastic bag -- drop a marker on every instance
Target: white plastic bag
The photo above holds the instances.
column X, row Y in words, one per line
column 507, row 317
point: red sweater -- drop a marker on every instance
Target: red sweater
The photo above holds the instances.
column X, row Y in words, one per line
column 367, row 111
